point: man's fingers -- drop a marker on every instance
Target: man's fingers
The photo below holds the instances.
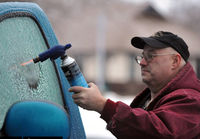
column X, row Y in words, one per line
column 77, row 96
column 76, row 89
column 91, row 84
column 78, row 100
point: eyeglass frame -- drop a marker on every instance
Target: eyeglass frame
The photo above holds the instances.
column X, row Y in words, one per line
column 149, row 57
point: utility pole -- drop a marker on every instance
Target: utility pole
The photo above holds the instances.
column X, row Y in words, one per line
column 100, row 50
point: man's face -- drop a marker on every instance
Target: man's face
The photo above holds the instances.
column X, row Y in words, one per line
column 156, row 65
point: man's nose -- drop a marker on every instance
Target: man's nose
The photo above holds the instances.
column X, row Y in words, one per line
column 143, row 62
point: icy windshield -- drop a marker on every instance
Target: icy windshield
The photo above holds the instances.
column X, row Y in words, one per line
column 20, row 41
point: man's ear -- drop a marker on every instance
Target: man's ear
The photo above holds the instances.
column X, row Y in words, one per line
column 176, row 61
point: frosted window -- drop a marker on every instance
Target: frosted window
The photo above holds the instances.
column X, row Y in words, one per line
column 20, row 41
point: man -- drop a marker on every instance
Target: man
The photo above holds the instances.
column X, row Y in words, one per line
column 169, row 108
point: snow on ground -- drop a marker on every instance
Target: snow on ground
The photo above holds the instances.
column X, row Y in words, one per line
column 95, row 127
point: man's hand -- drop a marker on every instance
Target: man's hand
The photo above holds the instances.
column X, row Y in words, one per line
column 88, row 98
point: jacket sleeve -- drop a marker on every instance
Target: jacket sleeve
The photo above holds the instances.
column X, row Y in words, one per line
column 176, row 116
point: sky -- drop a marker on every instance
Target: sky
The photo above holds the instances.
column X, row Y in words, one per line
column 164, row 5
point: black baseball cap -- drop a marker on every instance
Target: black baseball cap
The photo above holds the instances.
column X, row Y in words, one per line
column 163, row 39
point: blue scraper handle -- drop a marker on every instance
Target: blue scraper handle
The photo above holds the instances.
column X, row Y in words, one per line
column 52, row 53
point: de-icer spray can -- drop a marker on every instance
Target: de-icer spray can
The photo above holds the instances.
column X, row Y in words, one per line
column 72, row 72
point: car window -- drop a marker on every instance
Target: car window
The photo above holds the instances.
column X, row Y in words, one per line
column 20, row 41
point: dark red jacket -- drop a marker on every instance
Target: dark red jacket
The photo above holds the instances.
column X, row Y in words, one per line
column 173, row 114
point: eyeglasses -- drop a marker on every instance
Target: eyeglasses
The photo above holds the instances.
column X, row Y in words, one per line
column 149, row 57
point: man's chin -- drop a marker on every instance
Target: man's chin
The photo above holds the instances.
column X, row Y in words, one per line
column 145, row 80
